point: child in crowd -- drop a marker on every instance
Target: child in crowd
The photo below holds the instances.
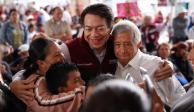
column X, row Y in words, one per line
column 62, row 79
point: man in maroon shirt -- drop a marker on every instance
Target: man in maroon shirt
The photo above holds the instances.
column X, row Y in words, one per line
column 93, row 52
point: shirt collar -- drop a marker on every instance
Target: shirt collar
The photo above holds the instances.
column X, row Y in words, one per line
column 101, row 55
column 134, row 62
column 55, row 22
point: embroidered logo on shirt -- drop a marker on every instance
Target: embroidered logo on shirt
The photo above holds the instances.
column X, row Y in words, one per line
column 84, row 64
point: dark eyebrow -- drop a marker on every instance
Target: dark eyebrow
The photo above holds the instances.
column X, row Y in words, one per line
column 96, row 26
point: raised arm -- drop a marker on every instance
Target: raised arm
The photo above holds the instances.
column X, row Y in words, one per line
column 164, row 71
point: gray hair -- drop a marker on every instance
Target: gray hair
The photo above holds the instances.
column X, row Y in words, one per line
column 127, row 26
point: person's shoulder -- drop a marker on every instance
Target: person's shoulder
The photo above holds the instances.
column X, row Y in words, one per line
column 74, row 42
column 19, row 75
column 64, row 23
column 48, row 22
column 151, row 58
column 7, row 23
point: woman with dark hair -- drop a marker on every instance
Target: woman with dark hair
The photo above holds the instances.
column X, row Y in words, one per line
column 42, row 54
column 40, row 58
column 14, row 32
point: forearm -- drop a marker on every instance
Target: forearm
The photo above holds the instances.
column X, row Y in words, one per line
column 44, row 97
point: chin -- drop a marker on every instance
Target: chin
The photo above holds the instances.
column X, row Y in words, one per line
column 96, row 46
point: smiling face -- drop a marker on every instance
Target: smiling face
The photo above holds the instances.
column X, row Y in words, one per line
column 74, row 81
column 124, row 47
column 54, row 55
column 96, row 31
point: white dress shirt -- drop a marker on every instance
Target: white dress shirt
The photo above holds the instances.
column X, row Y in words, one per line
column 168, row 89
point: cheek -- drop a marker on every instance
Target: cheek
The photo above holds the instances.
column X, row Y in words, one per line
column 60, row 15
column 107, row 37
column 78, row 84
column 73, row 85
column 167, row 52
column 130, row 50
column 86, row 36
column 117, row 51
column 161, row 52
column 70, row 86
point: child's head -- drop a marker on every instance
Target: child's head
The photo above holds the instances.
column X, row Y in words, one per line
column 63, row 77
column 96, row 81
column 31, row 28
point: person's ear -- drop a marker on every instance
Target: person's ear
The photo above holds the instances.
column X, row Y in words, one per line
column 139, row 44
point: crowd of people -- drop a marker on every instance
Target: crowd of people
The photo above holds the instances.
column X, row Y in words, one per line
column 109, row 65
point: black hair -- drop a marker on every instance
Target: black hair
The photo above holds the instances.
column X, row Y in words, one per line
column 11, row 11
column 37, row 51
column 31, row 26
column 180, row 45
column 57, row 75
column 159, row 46
column 117, row 96
column 100, row 10
column 57, row 7
column 100, row 78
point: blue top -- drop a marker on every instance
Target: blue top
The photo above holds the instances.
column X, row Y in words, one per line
column 13, row 36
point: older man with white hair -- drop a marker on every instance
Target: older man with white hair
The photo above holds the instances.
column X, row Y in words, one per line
column 127, row 40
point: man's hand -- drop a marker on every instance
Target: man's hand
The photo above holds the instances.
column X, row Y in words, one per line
column 164, row 71
column 157, row 104
column 22, row 88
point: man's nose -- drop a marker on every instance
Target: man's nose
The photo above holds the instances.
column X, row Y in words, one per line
column 94, row 33
column 123, row 48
